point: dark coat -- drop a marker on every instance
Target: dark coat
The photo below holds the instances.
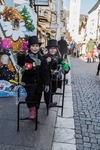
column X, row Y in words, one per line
column 38, row 76
column 54, row 66
column 62, row 46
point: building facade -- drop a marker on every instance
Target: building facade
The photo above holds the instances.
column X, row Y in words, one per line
column 93, row 23
column 74, row 19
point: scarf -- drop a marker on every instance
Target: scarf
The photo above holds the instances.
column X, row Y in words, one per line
column 34, row 57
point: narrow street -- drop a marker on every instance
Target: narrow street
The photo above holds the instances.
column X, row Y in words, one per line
column 86, row 104
column 54, row 131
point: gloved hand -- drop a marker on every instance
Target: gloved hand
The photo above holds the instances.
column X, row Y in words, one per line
column 46, row 88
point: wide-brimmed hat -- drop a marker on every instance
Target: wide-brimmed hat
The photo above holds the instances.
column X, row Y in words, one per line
column 33, row 40
column 52, row 43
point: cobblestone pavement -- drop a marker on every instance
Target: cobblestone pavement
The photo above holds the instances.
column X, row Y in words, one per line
column 86, row 103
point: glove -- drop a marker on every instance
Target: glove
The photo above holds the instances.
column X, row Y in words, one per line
column 46, row 88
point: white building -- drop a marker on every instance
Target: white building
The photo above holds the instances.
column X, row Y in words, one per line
column 74, row 19
column 59, row 8
column 93, row 24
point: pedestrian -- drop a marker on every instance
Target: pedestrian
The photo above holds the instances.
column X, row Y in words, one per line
column 89, row 48
column 94, row 53
column 63, row 46
column 53, row 58
column 83, row 50
column 98, row 68
column 72, row 47
column 35, row 75
column 75, row 50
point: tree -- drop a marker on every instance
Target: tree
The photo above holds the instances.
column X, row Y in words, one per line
column 27, row 19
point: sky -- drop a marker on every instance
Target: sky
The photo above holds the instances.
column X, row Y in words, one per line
column 86, row 5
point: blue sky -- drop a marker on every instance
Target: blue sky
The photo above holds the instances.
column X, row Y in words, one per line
column 86, row 5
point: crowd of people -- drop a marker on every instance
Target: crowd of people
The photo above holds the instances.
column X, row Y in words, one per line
column 88, row 51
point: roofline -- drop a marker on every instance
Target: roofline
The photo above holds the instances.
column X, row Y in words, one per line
column 94, row 7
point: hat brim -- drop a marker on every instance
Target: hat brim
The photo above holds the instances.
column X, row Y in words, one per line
column 40, row 43
column 52, row 46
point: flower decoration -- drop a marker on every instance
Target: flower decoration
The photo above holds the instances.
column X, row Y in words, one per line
column 28, row 66
column 15, row 28
column 6, row 43
column 25, row 46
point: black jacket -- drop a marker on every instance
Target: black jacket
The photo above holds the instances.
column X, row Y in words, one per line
column 37, row 74
column 62, row 46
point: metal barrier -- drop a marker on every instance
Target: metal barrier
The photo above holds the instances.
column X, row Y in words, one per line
column 59, row 93
column 18, row 110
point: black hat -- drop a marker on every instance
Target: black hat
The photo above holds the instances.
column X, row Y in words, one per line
column 52, row 43
column 33, row 40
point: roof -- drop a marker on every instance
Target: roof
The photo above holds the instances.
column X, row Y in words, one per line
column 94, row 7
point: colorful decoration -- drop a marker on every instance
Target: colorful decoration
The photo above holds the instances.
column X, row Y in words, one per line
column 6, row 43
column 66, row 65
column 7, row 89
column 4, row 84
column 27, row 19
column 15, row 29
column 28, row 66
column 18, row 45
column 25, row 46
column 30, row 19
column 0, row 42
column 17, row 23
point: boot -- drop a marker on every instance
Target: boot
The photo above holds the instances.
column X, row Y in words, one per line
column 32, row 112
column 97, row 73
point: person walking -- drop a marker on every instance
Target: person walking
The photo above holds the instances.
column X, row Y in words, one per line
column 35, row 75
column 89, row 48
column 63, row 46
column 98, row 67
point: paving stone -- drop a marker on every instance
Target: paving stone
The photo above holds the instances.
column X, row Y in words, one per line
column 63, row 135
column 86, row 99
column 63, row 146
column 65, row 122
column 67, row 113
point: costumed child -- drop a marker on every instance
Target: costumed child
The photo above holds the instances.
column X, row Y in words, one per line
column 35, row 75
column 53, row 58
